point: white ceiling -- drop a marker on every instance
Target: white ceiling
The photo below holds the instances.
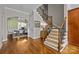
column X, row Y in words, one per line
column 23, row 7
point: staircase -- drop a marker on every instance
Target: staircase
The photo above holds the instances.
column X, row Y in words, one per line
column 57, row 39
column 43, row 11
column 52, row 39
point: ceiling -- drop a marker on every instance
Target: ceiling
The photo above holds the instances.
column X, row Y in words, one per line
column 23, row 7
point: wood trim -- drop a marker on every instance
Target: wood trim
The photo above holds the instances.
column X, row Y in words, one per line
column 73, row 44
column 59, row 39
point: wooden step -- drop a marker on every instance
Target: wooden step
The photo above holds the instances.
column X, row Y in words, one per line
column 53, row 34
column 52, row 37
column 55, row 30
column 54, row 46
column 52, row 43
column 52, row 40
column 51, row 46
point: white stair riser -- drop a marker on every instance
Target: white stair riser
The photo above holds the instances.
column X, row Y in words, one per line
column 51, row 46
column 53, row 36
column 52, row 40
column 55, row 30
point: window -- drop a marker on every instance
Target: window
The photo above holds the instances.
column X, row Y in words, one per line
column 12, row 23
column 16, row 23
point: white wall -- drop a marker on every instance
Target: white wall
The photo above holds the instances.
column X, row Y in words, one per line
column 33, row 31
column 1, row 23
column 65, row 10
column 8, row 12
column 37, row 17
column 72, row 6
column 31, row 26
column 66, row 15
column 57, row 13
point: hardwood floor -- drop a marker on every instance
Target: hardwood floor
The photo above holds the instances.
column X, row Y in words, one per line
column 71, row 49
column 30, row 46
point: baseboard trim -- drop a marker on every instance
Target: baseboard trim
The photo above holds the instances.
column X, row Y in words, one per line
column 63, row 47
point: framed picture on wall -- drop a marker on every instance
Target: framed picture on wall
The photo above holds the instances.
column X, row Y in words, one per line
column 37, row 24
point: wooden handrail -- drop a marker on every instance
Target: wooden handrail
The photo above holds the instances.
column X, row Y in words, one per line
column 62, row 24
column 59, row 41
column 60, row 35
column 61, row 27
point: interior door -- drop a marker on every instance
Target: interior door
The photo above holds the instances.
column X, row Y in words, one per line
column 73, row 26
